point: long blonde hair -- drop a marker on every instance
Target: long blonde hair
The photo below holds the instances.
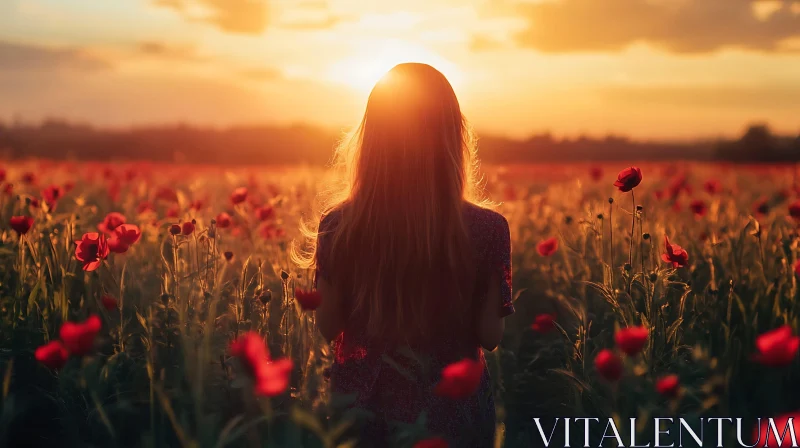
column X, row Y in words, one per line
column 401, row 246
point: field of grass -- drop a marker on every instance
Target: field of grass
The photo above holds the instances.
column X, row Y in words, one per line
column 157, row 368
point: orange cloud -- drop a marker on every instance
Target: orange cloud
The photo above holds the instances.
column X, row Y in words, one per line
column 681, row 26
column 233, row 16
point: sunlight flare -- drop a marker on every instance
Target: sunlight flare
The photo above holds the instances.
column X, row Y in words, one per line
column 367, row 65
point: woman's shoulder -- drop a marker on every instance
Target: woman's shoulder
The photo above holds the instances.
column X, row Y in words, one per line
column 483, row 218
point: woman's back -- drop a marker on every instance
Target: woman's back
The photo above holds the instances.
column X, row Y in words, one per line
column 395, row 379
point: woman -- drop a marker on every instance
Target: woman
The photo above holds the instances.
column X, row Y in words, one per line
column 413, row 274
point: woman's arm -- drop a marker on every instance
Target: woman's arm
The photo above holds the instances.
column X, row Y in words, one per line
column 492, row 324
column 328, row 314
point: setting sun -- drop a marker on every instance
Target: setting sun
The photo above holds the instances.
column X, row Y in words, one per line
column 372, row 60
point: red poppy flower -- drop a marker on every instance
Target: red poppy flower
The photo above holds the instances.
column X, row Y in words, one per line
column 251, row 351
column 223, row 220
column 596, row 173
column 668, row 385
column 175, row 229
column 764, row 436
column 698, row 207
column 794, row 209
column 797, row 267
column 79, row 337
column 712, row 186
column 628, row 179
column 674, row 254
column 608, row 365
column 264, row 213
column 111, row 222
column 631, row 340
column 239, row 195
column 435, row 442
column 128, row 233
column 777, row 348
column 308, row 300
column 117, row 246
column 460, row 379
column 2, row 174
column 187, row 228
column 271, row 377
column 108, row 302
column 544, row 323
column 547, row 247
column 21, row 224
column 92, row 250
column 53, row 355
column 51, row 195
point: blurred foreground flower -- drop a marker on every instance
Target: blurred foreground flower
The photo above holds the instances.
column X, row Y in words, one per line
column 460, row 379
column 668, row 385
column 308, row 300
column 544, row 323
column 631, row 340
column 777, row 348
column 53, row 355
column 628, row 179
column 92, row 250
column 608, row 365
column 271, row 376
column 79, row 337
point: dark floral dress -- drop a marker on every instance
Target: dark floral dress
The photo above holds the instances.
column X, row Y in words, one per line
column 395, row 383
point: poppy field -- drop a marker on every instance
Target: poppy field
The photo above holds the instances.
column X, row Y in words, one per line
column 147, row 305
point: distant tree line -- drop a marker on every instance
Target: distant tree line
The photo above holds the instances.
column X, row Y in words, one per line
column 312, row 145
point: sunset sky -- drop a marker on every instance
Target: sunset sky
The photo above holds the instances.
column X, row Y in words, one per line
column 645, row 68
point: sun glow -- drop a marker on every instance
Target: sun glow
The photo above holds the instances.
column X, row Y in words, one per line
column 373, row 59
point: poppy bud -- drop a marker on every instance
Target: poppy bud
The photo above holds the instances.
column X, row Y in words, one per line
column 165, row 298
column 610, row 200
column 639, row 208
column 627, row 267
column 213, row 222
column 653, row 277
column 228, row 255
column 174, row 229
column 599, row 216
column 206, row 294
column 646, row 236
column 194, row 222
column 568, row 220
column 265, row 297
column 284, row 275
